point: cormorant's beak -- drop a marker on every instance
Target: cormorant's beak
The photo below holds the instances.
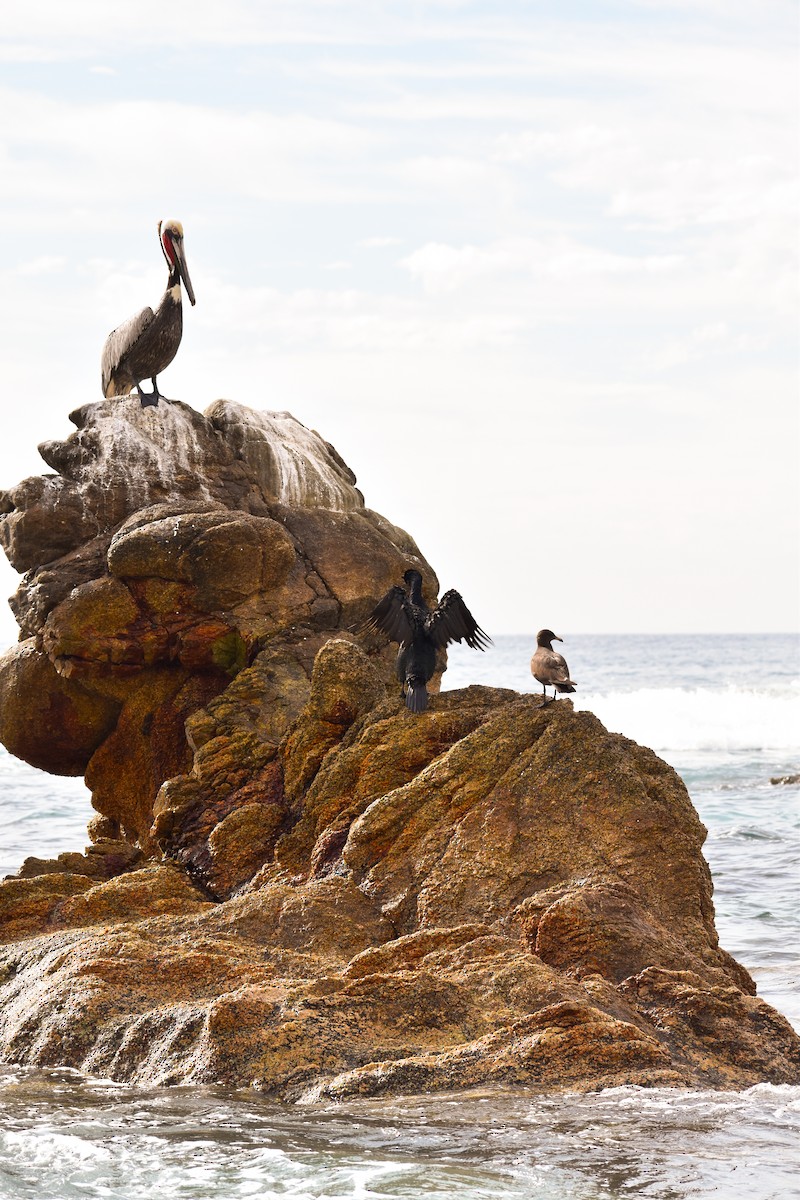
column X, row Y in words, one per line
column 183, row 270
column 556, row 638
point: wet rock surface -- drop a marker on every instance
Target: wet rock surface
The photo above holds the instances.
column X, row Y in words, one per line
column 293, row 882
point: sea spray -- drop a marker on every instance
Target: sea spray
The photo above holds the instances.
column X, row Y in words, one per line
column 725, row 719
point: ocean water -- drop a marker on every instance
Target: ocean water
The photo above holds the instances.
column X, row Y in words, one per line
column 725, row 712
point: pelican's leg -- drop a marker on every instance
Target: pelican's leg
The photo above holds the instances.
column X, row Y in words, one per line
column 147, row 398
column 156, row 392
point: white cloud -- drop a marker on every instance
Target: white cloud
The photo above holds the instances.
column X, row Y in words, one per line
column 27, row 52
column 717, row 331
column 81, row 153
column 88, row 23
column 377, row 243
column 443, row 268
column 591, row 224
column 43, row 265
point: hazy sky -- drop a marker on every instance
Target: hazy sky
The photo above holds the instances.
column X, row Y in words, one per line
column 531, row 267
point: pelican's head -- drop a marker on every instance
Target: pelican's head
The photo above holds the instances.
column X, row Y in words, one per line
column 170, row 234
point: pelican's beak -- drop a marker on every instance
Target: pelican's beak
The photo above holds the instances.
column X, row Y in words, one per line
column 183, row 270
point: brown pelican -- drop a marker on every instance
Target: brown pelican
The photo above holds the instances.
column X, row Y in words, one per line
column 406, row 618
column 147, row 343
column 550, row 667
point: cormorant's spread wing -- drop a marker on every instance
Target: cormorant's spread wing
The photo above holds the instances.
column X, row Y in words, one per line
column 451, row 621
column 392, row 616
column 120, row 341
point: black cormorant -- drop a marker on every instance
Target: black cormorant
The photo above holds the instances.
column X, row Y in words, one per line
column 421, row 631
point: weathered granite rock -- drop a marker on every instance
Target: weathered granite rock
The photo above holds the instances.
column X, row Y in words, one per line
column 104, row 859
column 491, row 892
column 294, row 882
column 45, row 716
column 170, row 549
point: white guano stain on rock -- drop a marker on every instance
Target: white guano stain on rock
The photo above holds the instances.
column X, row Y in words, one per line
column 293, row 464
column 145, row 450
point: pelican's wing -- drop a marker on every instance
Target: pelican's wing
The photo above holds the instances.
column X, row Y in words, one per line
column 393, row 616
column 120, row 341
column 451, row 621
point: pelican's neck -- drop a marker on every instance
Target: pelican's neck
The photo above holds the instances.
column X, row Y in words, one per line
column 174, row 288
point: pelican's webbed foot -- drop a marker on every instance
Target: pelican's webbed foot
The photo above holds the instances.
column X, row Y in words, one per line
column 149, row 399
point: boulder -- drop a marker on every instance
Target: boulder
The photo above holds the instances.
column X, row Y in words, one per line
column 171, row 549
column 48, row 719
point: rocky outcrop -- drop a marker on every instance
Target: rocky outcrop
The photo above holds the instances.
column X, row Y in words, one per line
column 294, row 882
column 492, row 892
column 168, row 550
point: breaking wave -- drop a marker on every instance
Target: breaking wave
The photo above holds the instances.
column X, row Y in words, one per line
column 70, row 1136
column 728, row 719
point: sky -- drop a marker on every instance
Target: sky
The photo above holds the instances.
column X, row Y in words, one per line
column 532, row 268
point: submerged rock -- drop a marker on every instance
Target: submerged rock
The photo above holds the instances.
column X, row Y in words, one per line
column 295, row 883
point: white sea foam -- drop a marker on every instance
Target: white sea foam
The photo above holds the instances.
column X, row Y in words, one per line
column 476, row 1146
column 726, row 719
column 48, row 1148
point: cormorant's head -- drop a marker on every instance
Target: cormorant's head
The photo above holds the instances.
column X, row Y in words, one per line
column 170, row 234
column 546, row 637
column 411, row 577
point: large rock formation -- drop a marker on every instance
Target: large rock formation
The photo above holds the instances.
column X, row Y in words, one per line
column 320, row 893
column 492, row 892
column 168, row 551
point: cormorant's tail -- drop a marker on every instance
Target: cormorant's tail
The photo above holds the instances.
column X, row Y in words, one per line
column 416, row 695
column 564, row 687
